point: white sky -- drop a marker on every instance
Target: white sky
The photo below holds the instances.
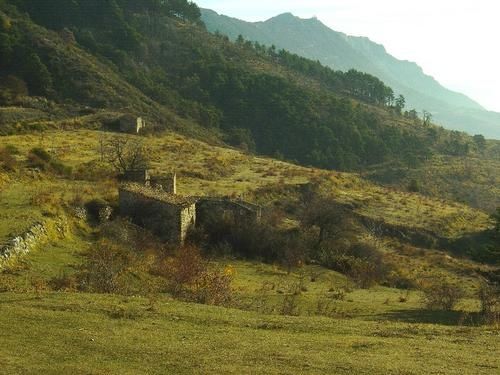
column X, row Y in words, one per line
column 455, row 41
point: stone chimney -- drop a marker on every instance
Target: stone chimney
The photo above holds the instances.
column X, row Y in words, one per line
column 171, row 184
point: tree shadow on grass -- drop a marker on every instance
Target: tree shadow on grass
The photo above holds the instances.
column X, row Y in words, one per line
column 449, row 318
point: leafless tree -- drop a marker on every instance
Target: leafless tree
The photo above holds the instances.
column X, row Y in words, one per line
column 126, row 154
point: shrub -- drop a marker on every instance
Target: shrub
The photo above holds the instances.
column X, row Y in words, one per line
column 64, row 282
column 41, row 159
column 441, row 295
column 261, row 241
column 187, row 266
column 12, row 89
column 8, row 162
column 290, row 305
column 11, row 149
column 191, row 279
column 414, row 186
column 41, row 154
column 214, row 287
column 105, row 267
column 60, row 168
column 489, row 296
column 360, row 261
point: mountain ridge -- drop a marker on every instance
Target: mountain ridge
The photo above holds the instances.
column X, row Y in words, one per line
column 314, row 40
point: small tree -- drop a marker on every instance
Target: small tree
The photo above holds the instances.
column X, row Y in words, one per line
column 489, row 296
column 427, row 118
column 480, row 142
column 400, row 103
column 330, row 217
column 126, row 154
column 441, row 295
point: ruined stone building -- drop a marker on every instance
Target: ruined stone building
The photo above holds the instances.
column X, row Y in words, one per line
column 153, row 203
column 236, row 210
column 131, row 124
column 169, row 216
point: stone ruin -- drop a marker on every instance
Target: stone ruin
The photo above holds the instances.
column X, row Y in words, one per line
column 167, row 215
column 153, row 203
column 131, row 124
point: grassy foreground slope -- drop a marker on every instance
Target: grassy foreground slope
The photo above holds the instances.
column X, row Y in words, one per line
column 89, row 334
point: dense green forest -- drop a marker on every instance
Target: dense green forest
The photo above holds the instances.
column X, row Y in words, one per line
column 270, row 101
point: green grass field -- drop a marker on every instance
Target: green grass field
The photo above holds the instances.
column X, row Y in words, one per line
column 100, row 334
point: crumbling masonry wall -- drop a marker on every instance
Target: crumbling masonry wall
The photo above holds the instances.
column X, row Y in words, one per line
column 239, row 211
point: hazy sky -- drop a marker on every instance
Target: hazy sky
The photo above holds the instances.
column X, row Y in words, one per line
column 456, row 41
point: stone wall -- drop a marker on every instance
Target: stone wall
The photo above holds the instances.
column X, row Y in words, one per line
column 169, row 221
column 239, row 211
column 36, row 236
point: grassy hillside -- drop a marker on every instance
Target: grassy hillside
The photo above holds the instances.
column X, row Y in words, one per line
column 206, row 169
column 311, row 320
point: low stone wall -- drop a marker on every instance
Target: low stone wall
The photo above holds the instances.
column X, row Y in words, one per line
column 37, row 235
column 209, row 208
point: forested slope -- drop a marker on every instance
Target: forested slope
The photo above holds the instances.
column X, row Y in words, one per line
column 155, row 59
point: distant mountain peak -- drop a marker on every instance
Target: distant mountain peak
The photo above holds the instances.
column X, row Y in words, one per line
column 284, row 17
column 291, row 17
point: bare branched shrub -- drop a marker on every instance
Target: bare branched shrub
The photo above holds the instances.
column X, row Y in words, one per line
column 8, row 162
column 290, row 305
column 125, row 153
column 214, row 287
column 191, row 278
column 64, row 283
column 489, row 296
column 106, row 264
column 441, row 295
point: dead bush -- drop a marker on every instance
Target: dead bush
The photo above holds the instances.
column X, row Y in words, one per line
column 105, row 267
column 290, row 305
column 190, row 277
column 187, row 266
column 214, row 287
column 441, row 295
column 8, row 162
column 64, row 283
column 489, row 296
